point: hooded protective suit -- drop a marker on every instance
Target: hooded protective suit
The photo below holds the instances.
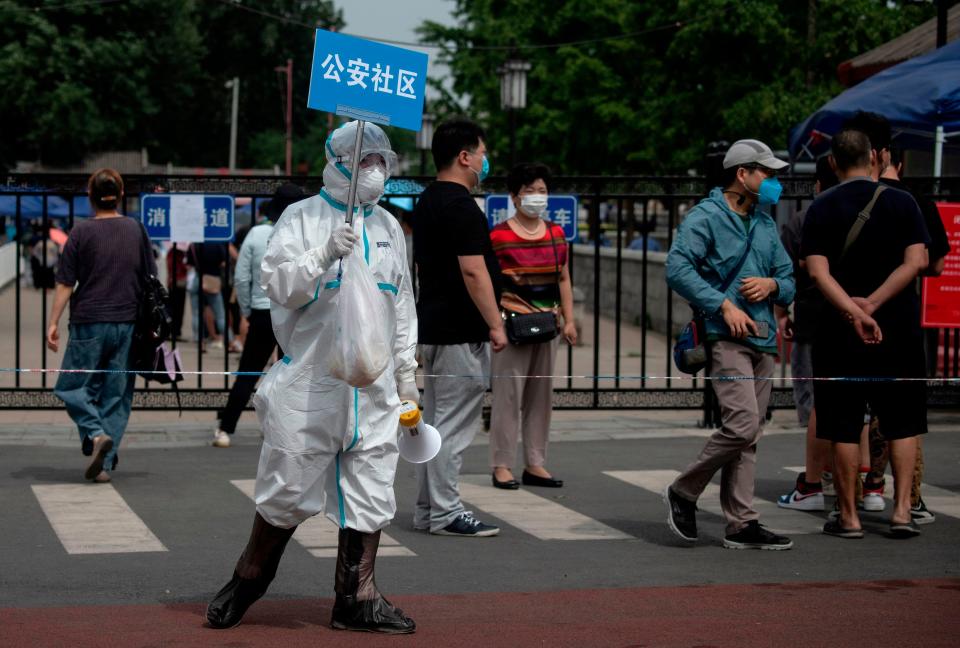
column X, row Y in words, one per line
column 328, row 446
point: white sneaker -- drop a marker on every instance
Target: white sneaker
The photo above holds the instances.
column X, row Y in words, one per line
column 216, row 344
column 873, row 502
column 221, row 439
column 801, row 502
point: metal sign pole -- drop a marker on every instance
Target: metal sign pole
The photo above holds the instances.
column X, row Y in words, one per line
column 354, row 171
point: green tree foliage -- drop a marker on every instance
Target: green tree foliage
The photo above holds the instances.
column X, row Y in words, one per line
column 84, row 77
column 677, row 74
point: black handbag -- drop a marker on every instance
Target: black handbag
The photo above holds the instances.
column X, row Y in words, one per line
column 530, row 328
column 154, row 324
column 533, row 328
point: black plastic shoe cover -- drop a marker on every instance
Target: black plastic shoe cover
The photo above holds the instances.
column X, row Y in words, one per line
column 230, row 604
column 359, row 605
column 258, row 564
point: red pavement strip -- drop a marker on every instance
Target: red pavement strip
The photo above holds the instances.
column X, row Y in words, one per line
column 899, row 613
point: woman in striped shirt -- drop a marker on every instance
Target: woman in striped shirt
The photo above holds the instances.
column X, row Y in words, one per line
column 534, row 257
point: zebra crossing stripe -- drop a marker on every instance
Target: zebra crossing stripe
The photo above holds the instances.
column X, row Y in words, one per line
column 538, row 516
column 776, row 519
column 318, row 535
column 94, row 519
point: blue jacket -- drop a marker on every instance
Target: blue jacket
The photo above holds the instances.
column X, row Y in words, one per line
column 708, row 244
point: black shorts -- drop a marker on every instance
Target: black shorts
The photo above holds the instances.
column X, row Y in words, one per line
column 900, row 406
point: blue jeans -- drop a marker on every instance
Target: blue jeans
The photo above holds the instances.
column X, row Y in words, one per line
column 99, row 403
column 200, row 299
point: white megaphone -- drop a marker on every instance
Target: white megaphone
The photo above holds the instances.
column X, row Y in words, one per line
column 419, row 442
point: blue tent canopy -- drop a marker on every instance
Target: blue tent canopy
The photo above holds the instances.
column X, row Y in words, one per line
column 918, row 96
column 31, row 206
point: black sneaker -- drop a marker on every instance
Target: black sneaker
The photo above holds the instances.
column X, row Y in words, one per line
column 681, row 515
column 469, row 527
column 921, row 515
column 754, row 536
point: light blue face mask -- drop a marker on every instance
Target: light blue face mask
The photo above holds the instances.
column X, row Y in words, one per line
column 770, row 190
column 484, row 170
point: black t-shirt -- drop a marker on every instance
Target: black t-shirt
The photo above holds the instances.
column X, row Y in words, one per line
column 102, row 257
column 447, row 223
column 208, row 258
column 939, row 246
column 809, row 301
column 895, row 223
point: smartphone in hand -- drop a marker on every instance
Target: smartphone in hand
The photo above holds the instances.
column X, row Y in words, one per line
column 763, row 330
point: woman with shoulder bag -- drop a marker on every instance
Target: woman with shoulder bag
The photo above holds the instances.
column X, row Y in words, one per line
column 534, row 258
column 100, row 275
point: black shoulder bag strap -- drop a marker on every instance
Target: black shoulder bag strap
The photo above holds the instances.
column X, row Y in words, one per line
column 556, row 257
column 144, row 258
column 862, row 219
column 737, row 268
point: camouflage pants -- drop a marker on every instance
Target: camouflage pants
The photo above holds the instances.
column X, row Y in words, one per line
column 880, row 457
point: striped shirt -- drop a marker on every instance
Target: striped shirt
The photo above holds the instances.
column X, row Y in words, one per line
column 529, row 267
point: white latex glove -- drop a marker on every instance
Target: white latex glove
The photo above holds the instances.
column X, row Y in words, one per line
column 408, row 391
column 339, row 244
column 341, row 241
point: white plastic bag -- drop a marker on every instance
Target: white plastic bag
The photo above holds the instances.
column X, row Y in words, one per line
column 360, row 350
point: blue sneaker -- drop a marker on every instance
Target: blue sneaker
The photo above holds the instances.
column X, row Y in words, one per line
column 467, row 526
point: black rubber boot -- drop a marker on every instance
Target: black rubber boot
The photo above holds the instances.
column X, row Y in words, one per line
column 252, row 576
column 359, row 606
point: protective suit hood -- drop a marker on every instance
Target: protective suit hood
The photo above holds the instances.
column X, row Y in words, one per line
column 339, row 151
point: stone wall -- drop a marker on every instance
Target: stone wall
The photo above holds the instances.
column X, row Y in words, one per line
column 631, row 308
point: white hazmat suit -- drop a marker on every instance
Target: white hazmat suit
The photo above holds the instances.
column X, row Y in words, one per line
column 328, row 446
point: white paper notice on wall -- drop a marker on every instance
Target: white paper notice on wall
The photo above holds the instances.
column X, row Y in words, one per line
column 187, row 218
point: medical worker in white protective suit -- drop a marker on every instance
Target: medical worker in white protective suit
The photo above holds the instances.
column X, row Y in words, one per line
column 327, row 446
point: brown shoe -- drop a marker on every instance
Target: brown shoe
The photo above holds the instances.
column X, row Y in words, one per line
column 101, row 446
column 102, row 478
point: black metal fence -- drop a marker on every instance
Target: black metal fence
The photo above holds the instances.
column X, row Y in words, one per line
column 617, row 214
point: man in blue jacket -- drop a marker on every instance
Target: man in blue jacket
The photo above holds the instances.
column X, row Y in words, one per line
column 731, row 233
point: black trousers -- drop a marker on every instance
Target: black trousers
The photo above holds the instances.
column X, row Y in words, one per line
column 178, row 298
column 256, row 353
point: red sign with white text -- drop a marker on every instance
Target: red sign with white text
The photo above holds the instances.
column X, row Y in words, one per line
column 941, row 295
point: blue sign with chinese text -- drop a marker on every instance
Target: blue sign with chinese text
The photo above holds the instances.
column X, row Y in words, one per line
column 561, row 210
column 367, row 80
column 187, row 217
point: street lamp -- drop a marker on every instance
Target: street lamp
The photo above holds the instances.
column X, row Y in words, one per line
column 425, row 140
column 513, row 95
column 233, row 84
column 288, row 114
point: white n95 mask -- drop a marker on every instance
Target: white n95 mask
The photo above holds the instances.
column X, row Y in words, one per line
column 534, row 204
column 370, row 184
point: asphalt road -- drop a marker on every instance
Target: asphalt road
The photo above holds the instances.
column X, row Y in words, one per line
column 186, row 499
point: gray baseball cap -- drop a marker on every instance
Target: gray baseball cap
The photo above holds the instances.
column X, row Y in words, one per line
column 751, row 151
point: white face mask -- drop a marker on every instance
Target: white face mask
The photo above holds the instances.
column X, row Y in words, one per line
column 533, row 204
column 370, row 184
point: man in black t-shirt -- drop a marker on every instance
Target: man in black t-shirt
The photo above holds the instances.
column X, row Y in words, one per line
column 459, row 320
column 873, row 329
column 877, row 129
